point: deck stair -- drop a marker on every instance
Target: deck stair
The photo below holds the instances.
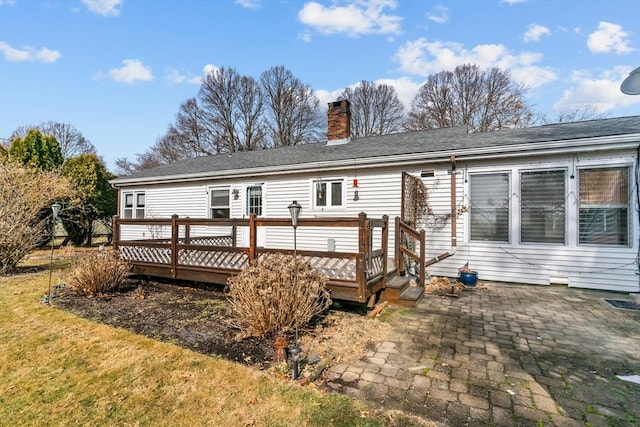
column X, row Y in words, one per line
column 399, row 291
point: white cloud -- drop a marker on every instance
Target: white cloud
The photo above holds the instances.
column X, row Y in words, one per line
column 602, row 91
column 28, row 54
column 439, row 14
column 7, row 2
column 535, row 32
column 305, row 36
column 249, row 4
column 533, row 76
column 356, row 18
column 209, row 68
column 325, row 96
column 133, row 71
column 423, row 58
column 514, row 1
column 406, row 89
column 175, row 77
column 609, row 38
column 104, row 7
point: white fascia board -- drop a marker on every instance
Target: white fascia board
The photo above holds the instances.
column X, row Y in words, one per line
column 608, row 143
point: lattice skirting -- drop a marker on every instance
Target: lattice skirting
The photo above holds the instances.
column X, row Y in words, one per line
column 209, row 241
column 333, row 268
column 213, row 259
column 146, row 254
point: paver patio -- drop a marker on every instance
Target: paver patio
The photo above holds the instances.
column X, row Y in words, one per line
column 506, row 355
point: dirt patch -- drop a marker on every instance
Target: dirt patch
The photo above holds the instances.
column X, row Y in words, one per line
column 196, row 318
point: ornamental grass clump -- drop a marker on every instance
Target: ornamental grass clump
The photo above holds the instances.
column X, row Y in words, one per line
column 275, row 295
column 96, row 273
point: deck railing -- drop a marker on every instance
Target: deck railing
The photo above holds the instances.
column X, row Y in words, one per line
column 406, row 239
column 188, row 249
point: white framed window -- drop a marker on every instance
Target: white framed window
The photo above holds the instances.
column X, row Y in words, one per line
column 603, row 216
column 329, row 194
column 219, row 202
column 133, row 204
column 489, row 206
column 542, row 206
column 254, row 200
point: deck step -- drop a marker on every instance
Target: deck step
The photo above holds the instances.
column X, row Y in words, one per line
column 412, row 294
column 398, row 282
column 400, row 292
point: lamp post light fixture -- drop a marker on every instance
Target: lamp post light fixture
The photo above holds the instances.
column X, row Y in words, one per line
column 631, row 85
column 294, row 352
column 55, row 209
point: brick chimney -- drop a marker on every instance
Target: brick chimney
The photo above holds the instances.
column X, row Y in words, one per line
column 338, row 122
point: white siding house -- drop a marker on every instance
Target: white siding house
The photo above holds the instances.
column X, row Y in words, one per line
column 555, row 204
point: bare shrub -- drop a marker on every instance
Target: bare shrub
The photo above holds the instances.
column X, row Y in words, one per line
column 266, row 298
column 95, row 273
column 26, row 195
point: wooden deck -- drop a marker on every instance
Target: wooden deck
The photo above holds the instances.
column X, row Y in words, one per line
column 208, row 250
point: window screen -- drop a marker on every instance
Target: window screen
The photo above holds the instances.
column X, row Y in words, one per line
column 489, row 210
column 604, row 206
column 542, row 207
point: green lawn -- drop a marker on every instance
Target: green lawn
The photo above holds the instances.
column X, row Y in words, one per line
column 58, row 369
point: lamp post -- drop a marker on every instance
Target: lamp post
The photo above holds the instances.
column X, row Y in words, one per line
column 631, row 85
column 294, row 211
column 55, row 209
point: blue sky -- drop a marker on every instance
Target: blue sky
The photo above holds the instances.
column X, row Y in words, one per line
column 118, row 70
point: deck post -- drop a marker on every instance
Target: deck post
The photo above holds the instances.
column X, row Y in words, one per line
column 361, row 267
column 115, row 231
column 385, row 247
column 398, row 242
column 234, row 235
column 187, row 234
column 174, row 246
column 423, row 267
column 253, row 238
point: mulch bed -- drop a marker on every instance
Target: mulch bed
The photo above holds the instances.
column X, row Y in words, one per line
column 190, row 317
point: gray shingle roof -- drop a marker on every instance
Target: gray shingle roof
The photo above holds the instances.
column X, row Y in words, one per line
column 447, row 140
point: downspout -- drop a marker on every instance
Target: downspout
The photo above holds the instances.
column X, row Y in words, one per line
column 115, row 233
column 454, row 213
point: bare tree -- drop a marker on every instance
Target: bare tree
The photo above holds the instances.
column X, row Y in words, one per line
column 191, row 133
column 578, row 114
column 232, row 105
column 375, row 109
column 72, row 142
column 236, row 113
column 292, row 109
column 25, row 193
column 483, row 100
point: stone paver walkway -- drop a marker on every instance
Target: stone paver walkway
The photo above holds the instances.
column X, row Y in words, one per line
column 507, row 355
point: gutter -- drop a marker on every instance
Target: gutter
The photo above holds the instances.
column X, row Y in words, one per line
column 582, row 145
